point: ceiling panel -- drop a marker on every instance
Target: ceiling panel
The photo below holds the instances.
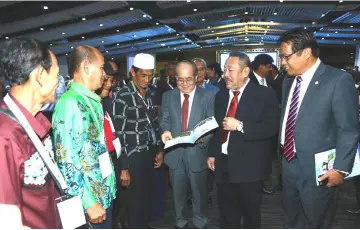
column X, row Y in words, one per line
column 348, row 17
column 74, row 13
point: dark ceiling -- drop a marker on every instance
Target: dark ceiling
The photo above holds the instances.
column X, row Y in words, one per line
column 118, row 28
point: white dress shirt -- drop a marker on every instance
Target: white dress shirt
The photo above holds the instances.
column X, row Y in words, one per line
column 306, row 79
column 260, row 79
column 191, row 98
column 224, row 147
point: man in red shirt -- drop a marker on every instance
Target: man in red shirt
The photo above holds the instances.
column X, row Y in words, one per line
column 32, row 70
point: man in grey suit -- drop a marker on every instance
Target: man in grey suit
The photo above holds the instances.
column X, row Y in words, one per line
column 320, row 113
column 181, row 110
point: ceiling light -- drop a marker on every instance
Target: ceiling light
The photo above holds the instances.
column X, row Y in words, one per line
column 341, row 1
column 118, row 31
column 246, row 26
column 83, row 19
column 50, row 44
column 322, row 38
column 177, row 34
column 107, row 51
column 175, row 48
column 222, row 44
column 147, row 39
column 352, row 53
column 272, row 21
column 328, row 35
column 344, row 43
column 246, row 33
column 193, row 42
column 195, row 10
column 83, row 37
column 322, row 15
column 336, row 32
column 265, row 31
column 118, row 44
column 208, row 27
column 157, row 23
column 188, row 0
column 101, row 24
column 66, row 54
column 305, row 28
column 144, row 16
column 246, row 37
column 112, row 58
column 262, row 37
column 246, row 12
column 162, row 44
column 41, row 28
column 281, row 0
column 200, row 47
column 217, row 37
column 134, row 35
column 212, row 31
column 72, row 47
column 102, row 41
column 355, row 39
column 132, row 47
column 233, row 15
column 268, row 27
column 275, row 13
column 6, row 37
column 203, row 19
column 45, row 7
column 131, row 8
column 63, row 33
column 313, row 23
column 179, row 50
column 351, row 26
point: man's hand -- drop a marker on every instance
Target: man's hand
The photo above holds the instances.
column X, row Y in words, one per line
column 230, row 123
column 96, row 213
column 211, row 163
column 333, row 177
column 125, row 178
column 166, row 136
column 159, row 160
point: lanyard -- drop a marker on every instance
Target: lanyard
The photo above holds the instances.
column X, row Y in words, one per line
column 145, row 105
column 172, row 87
column 102, row 135
column 44, row 152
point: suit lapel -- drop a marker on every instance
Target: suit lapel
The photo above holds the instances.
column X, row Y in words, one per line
column 308, row 98
column 287, row 83
column 194, row 107
column 177, row 103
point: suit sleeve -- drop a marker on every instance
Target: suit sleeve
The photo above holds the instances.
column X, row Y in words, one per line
column 165, row 114
column 345, row 107
column 215, row 145
column 209, row 113
column 270, row 122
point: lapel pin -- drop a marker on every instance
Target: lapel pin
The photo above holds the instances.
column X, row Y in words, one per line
column 316, row 82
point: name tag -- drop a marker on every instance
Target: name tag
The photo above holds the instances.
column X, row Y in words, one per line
column 153, row 136
column 71, row 212
column 105, row 165
column 117, row 146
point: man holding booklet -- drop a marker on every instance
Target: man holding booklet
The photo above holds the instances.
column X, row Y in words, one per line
column 320, row 113
column 181, row 110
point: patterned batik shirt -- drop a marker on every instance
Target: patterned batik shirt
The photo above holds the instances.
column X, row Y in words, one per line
column 79, row 141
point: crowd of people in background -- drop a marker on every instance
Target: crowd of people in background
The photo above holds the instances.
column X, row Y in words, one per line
column 105, row 135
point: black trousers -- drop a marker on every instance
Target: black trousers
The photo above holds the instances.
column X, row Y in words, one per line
column 137, row 197
column 237, row 201
column 357, row 190
column 117, row 201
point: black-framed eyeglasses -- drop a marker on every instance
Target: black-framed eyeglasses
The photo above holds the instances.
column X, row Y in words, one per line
column 287, row 57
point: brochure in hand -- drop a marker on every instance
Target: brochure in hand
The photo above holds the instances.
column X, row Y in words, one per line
column 191, row 137
column 324, row 161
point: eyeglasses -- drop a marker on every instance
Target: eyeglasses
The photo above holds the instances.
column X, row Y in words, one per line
column 187, row 80
column 287, row 57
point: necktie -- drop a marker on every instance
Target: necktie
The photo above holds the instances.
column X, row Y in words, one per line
column 262, row 81
column 231, row 113
column 290, row 123
column 185, row 112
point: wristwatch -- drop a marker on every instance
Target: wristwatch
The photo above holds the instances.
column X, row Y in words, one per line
column 240, row 127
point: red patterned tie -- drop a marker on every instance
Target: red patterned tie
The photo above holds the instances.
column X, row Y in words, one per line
column 231, row 113
column 289, row 153
column 185, row 112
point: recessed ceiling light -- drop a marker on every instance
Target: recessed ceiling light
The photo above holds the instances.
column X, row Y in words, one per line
column 246, row 26
column 163, row 44
column 132, row 47
column 275, row 13
column 112, row 58
column 144, row 16
column 107, row 51
column 118, row 31
column 268, row 27
column 281, row 0
column 322, row 38
column 6, row 37
column 83, row 19
column 175, row 48
column 203, row 19
column 177, row 34
column 351, row 26
column 147, row 39
column 355, row 39
column 188, row 0
column 305, row 27
column 246, row 12
column 157, row 23
column 336, row 32
column 195, row 10
column 246, row 33
column 45, row 7
column 179, row 50
column 50, row 44
column 322, row 15
column 118, row 44
column 341, row 1
column 272, row 21
column 102, row 41
column 328, row 35
column 246, row 37
column 131, row 8
column 212, row 31
column 72, row 47
column 217, row 37
column 313, row 23
column 101, row 25
column 66, row 54
column 208, row 27
column 193, row 42
column 41, row 28
column 83, row 37
column 63, row 33
column 200, row 47
column 134, row 35
column 265, row 31
column 344, row 43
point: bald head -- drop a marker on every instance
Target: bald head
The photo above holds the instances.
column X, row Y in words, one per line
column 80, row 54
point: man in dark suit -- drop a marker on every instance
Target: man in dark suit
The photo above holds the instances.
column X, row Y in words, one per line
column 166, row 84
column 320, row 113
column 261, row 70
column 181, row 110
column 249, row 116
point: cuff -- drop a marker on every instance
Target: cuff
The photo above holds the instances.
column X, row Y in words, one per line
column 345, row 173
column 88, row 199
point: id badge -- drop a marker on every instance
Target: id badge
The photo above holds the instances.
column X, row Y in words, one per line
column 153, row 137
column 117, row 146
column 71, row 211
column 105, row 165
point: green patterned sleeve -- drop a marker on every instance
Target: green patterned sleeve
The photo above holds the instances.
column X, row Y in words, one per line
column 70, row 132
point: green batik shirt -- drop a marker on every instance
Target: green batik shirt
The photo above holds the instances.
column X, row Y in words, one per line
column 79, row 141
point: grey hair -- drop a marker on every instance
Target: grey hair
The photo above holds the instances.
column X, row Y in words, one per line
column 186, row 62
column 203, row 62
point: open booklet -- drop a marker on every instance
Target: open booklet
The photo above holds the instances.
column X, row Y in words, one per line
column 190, row 137
column 324, row 161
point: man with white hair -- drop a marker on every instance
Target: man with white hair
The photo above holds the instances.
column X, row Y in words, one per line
column 136, row 125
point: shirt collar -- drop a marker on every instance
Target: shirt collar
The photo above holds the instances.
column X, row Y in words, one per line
column 134, row 89
column 40, row 124
column 307, row 76
column 191, row 94
column 258, row 76
column 84, row 91
column 203, row 85
column 231, row 92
